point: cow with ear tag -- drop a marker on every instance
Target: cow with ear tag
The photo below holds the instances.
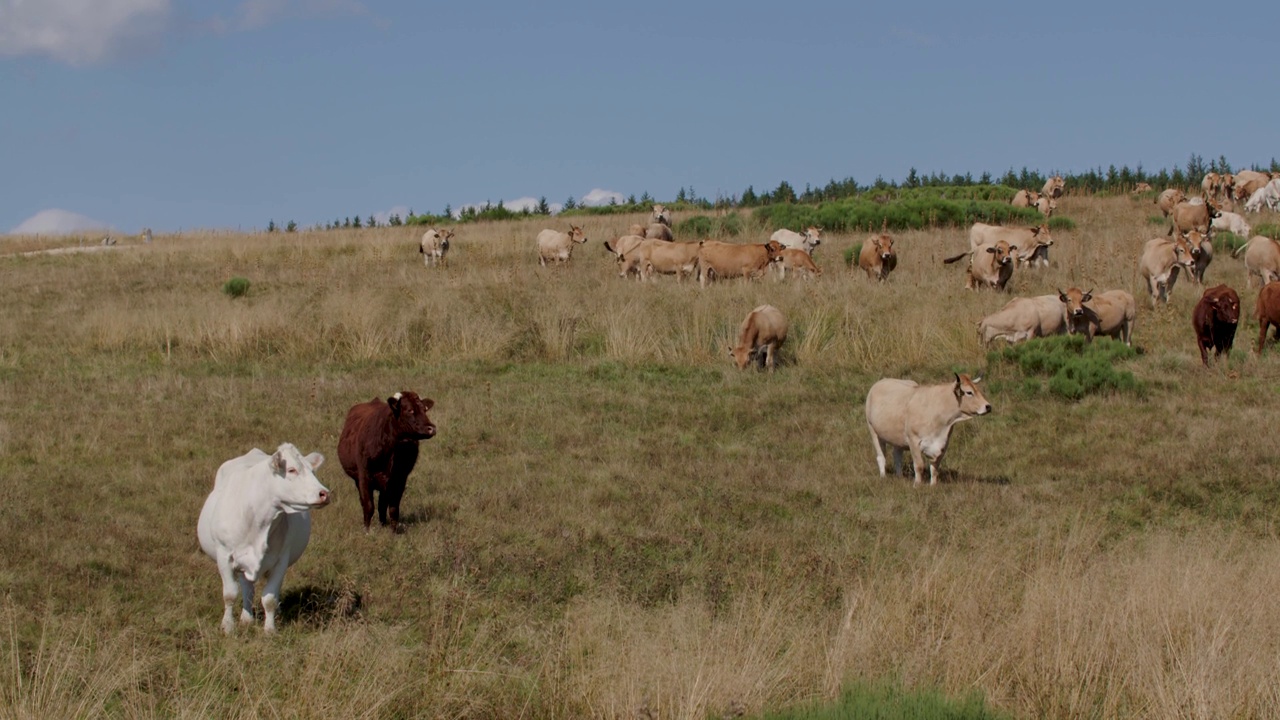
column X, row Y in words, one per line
column 257, row 522
column 379, row 447
column 906, row 416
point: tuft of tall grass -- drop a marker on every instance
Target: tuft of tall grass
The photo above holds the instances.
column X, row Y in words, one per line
column 236, row 287
column 892, row 701
column 1228, row 242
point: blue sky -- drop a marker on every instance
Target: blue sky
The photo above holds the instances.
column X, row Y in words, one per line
column 176, row 114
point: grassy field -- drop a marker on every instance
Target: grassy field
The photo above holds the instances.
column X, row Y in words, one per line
column 612, row 521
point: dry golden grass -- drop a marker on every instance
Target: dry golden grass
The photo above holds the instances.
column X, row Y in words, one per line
column 613, row 521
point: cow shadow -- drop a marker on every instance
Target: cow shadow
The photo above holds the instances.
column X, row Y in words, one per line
column 960, row 478
column 319, row 604
column 431, row 512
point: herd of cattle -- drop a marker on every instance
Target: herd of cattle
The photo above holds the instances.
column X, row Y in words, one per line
column 256, row 521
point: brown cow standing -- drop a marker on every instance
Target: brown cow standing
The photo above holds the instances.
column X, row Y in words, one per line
column 379, row 447
column 1268, row 312
column 1214, row 319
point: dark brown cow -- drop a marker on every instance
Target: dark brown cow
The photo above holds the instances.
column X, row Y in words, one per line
column 1268, row 312
column 379, row 447
column 1214, row 319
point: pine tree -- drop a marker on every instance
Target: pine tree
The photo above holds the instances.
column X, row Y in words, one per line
column 291, row 227
column 271, row 226
column 356, row 223
column 543, row 207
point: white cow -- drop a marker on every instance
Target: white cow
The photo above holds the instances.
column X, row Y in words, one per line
column 907, row 416
column 806, row 241
column 557, row 247
column 1268, row 195
column 257, row 522
column 434, row 245
column 1231, row 222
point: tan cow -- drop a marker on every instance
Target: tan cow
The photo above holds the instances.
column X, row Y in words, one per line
column 658, row 231
column 1141, row 188
column 989, row 265
column 660, row 215
column 434, row 245
column 1201, row 254
column 1168, row 199
column 1047, row 206
column 668, row 258
column 1192, row 215
column 806, row 241
column 1161, row 260
column 556, row 247
column 1022, row 319
column 1053, row 187
column 624, row 244
column 1211, row 184
column 1025, row 198
column 797, row 260
column 1033, row 243
column 877, row 257
column 1248, row 181
column 637, row 229
column 1261, row 259
column 906, row 416
column 1110, row 313
column 760, row 337
column 726, row 260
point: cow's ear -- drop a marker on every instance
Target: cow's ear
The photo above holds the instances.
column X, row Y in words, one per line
column 1087, row 296
column 394, row 403
column 1062, row 296
column 278, row 465
column 428, row 403
column 315, row 460
column 1035, row 230
column 991, row 250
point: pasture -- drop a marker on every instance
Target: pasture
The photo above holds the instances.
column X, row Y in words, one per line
column 613, row 521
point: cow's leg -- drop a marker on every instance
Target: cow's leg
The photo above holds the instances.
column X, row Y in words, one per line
column 229, row 590
column 246, row 599
column 366, row 495
column 389, row 503
column 769, row 360
column 1262, row 333
column 897, row 462
column 271, row 594
column 879, row 446
column 917, row 460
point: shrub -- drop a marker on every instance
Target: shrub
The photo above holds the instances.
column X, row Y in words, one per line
column 1075, row 368
column 916, row 212
column 851, row 255
column 1062, row 223
column 702, row 226
column 236, row 287
column 1270, row 230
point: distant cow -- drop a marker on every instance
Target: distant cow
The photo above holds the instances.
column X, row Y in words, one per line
column 806, row 241
column 1215, row 318
column 1110, row 313
column 1268, row 195
column 877, row 257
column 434, row 245
column 1160, row 263
column 623, row 245
column 907, row 416
column 989, row 265
column 1047, row 206
column 1188, row 216
column 1141, row 187
column 556, row 247
column 1025, row 198
column 667, row 258
column 1261, row 259
column 658, row 231
column 1248, row 182
column 1053, row 187
column 1168, row 199
column 1231, row 222
column 257, row 522
column 1268, row 311
column 727, row 260
column 1032, row 243
column 637, row 229
column 798, row 260
column 759, row 338
column 1022, row 319
column 379, row 447
column 1211, row 184
column 660, row 215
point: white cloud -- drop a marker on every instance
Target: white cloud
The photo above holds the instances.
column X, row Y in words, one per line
column 384, row 217
column 602, row 197
column 58, row 222
column 79, row 32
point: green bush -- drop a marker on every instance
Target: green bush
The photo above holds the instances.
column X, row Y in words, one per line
column 1270, row 230
column 236, row 287
column 1062, row 223
column 911, row 213
column 851, row 255
column 1228, row 242
column 702, row 226
column 887, row 701
column 1074, row 367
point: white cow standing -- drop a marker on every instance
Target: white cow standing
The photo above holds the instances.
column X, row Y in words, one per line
column 257, row 522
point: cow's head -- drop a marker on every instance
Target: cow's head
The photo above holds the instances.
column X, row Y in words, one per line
column 293, row 480
column 1184, row 252
column 1213, row 210
column 1047, row 206
column 661, row 215
column 1003, row 252
column 812, row 237
column 409, row 416
column 577, row 235
column 1224, row 302
column 773, row 248
column 883, row 245
column 969, row 395
column 1073, row 301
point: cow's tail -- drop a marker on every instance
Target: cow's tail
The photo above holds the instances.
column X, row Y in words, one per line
column 957, row 258
column 1236, row 253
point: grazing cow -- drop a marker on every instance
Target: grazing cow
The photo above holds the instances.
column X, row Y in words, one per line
column 556, row 247
column 1169, row 199
column 726, row 260
column 1110, row 313
column 1160, row 263
column 667, row 258
column 760, row 337
column 1141, row 188
column 1215, row 318
column 806, row 241
column 877, row 257
column 257, row 522
column 1268, row 195
column 1188, row 216
column 623, row 245
column 1201, row 254
column 379, row 447
column 1022, row 319
column 798, row 260
column 1231, row 222
column 434, row 245
column 1268, row 312
column 1053, row 187
column 989, row 265
column 660, row 215
column 1047, row 206
column 1261, row 258
column 658, row 231
column 1032, row 243
column 637, row 229
column 906, row 416
column 1025, row 198
column 1248, row 182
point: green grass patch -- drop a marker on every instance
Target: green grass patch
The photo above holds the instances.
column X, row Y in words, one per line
column 888, row 701
column 1062, row 223
column 1156, row 220
column 911, row 213
column 1071, row 366
column 1228, row 242
column 851, row 255
column 1270, row 230
column 704, row 226
column 236, row 287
